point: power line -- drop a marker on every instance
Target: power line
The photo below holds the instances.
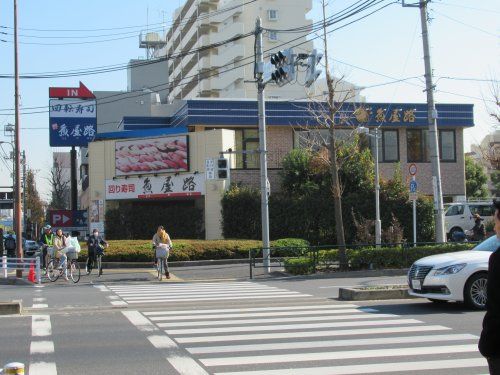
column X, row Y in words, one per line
column 466, row 24
column 468, row 7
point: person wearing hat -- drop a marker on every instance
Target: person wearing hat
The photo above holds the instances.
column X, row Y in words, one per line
column 46, row 240
column 478, row 231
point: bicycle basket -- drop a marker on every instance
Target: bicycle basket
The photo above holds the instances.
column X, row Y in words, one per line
column 51, row 251
column 161, row 252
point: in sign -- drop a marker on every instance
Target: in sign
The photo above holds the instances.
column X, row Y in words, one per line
column 412, row 169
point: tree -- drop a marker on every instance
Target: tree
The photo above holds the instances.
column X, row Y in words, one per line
column 475, row 179
column 60, row 187
column 495, row 181
column 34, row 204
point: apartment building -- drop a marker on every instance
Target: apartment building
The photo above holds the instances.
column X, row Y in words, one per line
column 221, row 72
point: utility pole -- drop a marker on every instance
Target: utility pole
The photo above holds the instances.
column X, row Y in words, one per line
column 262, row 146
column 432, row 122
column 73, row 181
column 24, row 191
column 17, row 144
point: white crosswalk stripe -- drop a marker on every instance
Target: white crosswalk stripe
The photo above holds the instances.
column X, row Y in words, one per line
column 301, row 335
column 190, row 292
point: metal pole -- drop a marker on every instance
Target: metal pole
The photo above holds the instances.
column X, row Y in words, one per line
column 414, row 220
column 378, row 223
column 262, row 149
column 17, row 190
column 24, row 192
column 433, row 133
column 74, row 186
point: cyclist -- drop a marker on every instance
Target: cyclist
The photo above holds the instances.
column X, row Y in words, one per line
column 61, row 248
column 95, row 244
column 161, row 239
column 47, row 240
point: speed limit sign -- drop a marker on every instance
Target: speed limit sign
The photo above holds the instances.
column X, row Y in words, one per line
column 412, row 169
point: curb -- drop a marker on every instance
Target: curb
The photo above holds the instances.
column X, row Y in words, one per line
column 12, row 280
column 10, row 308
column 364, row 294
column 347, row 274
column 190, row 263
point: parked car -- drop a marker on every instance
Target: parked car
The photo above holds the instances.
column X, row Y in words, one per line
column 459, row 276
column 459, row 217
column 30, row 247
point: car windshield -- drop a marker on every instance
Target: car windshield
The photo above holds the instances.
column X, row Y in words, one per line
column 491, row 244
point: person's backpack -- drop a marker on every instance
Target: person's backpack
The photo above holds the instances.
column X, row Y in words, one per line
column 10, row 243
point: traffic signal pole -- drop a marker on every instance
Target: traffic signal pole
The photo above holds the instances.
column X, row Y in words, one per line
column 262, row 146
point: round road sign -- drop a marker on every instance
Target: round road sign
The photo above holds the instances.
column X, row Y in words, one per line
column 412, row 169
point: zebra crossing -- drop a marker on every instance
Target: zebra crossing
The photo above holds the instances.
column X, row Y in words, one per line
column 299, row 336
column 199, row 292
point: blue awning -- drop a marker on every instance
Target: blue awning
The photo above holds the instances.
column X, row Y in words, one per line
column 141, row 133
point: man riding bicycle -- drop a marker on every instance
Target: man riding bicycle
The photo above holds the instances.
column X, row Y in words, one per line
column 47, row 240
column 95, row 245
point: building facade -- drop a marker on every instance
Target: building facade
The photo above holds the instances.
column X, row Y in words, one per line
column 129, row 166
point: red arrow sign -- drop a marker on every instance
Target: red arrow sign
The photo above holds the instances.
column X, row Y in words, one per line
column 71, row 92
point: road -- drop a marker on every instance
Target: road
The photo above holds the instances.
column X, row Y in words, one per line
column 128, row 323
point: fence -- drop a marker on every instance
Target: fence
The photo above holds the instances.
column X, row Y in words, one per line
column 310, row 259
column 14, row 264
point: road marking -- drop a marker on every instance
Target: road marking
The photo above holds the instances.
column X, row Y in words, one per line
column 102, row 288
column 140, row 321
column 289, row 335
column 341, row 355
column 183, row 363
column 170, row 287
column 39, row 306
column 370, row 368
column 40, row 325
column 157, row 300
column 202, row 292
column 43, row 368
column 329, row 344
column 244, row 310
column 335, row 311
column 42, row 347
column 119, row 303
column 112, row 297
column 292, row 326
column 277, row 320
column 39, row 299
column 218, row 294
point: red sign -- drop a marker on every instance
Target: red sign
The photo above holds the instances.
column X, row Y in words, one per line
column 61, row 218
column 71, row 92
column 412, row 169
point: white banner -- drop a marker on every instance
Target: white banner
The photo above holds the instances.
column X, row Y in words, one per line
column 150, row 187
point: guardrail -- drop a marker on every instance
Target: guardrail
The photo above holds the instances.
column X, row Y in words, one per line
column 10, row 264
column 327, row 256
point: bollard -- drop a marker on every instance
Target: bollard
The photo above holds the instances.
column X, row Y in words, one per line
column 38, row 273
column 14, row 368
column 4, row 266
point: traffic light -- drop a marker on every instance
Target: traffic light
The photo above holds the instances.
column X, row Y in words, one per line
column 312, row 73
column 222, row 169
column 283, row 62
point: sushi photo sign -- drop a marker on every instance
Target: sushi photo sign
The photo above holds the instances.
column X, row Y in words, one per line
column 152, row 155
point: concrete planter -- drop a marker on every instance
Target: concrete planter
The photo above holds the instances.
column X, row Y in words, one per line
column 9, row 308
column 380, row 292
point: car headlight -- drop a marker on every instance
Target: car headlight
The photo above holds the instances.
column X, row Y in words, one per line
column 450, row 270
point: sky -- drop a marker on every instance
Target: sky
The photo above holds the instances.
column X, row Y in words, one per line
column 384, row 47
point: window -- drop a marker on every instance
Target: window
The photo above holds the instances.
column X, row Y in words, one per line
column 455, row 210
column 416, row 145
column 247, row 140
column 272, row 15
column 447, row 145
column 389, row 146
column 273, row 36
column 482, row 210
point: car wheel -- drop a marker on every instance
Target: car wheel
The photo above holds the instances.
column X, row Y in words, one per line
column 437, row 301
column 475, row 291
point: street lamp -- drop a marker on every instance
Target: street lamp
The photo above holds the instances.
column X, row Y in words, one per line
column 378, row 223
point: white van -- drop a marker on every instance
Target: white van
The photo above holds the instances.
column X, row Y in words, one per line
column 459, row 216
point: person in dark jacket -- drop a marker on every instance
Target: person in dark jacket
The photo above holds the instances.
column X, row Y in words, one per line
column 479, row 232
column 489, row 343
column 95, row 244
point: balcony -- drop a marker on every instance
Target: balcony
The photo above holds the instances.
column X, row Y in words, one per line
column 235, row 29
column 238, row 9
column 228, row 55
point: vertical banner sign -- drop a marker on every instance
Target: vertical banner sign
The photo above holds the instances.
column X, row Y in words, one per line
column 72, row 116
column 210, row 169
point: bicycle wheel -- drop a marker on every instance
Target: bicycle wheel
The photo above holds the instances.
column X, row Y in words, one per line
column 99, row 265
column 52, row 271
column 74, row 271
column 159, row 267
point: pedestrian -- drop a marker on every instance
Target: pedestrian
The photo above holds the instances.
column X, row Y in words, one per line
column 60, row 248
column 161, row 240
column 10, row 246
column 489, row 343
column 47, row 241
column 478, row 231
column 95, row 244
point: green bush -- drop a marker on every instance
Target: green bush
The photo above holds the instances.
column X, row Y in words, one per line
column 299, row 266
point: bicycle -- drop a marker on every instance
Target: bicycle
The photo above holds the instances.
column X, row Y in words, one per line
column 72, row 265
column 161, row 261
column 98, row 263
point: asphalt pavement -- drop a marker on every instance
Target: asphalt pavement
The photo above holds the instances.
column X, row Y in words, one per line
column 128, row 323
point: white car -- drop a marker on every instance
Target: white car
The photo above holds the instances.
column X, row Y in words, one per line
column 459, row 217
column 460, row 276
